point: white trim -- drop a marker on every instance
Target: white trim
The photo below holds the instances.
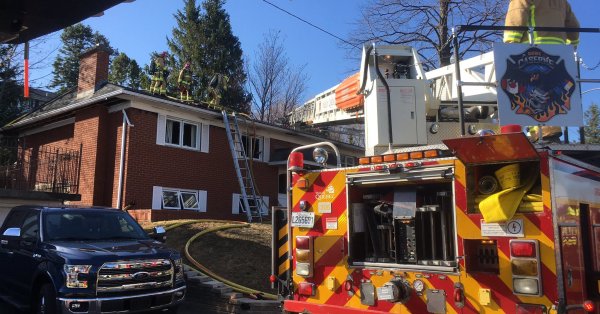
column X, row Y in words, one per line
column 266, row 149
column 235, row 203
column 161, row 126
column 48, row 126
column 202, row 201
column 156, row 197
column 205, row 138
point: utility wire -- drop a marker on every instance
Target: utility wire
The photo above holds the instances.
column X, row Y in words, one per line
column 311, row 24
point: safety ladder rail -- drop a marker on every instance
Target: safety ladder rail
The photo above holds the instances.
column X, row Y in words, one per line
column 530, row 29
column 252, row 203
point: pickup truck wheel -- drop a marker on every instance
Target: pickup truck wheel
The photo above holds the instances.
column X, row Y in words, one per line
column 45, row 302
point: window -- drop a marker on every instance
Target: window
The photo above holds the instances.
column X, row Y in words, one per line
column 30, row 228
column 169, row 198
column 253, row 146
column 180, row 133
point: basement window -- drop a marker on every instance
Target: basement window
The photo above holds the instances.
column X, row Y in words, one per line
column 181, row 133
column 169, row 198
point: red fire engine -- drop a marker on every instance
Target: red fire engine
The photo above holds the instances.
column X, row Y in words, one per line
column 486, row 222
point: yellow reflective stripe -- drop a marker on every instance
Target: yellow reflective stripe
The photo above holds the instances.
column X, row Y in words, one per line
column 513, row 36
column 573, row 42
column 549, row 40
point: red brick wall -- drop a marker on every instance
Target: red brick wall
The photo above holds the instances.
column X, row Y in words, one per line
column 93, row 133
column 149, row 164
column 93, row 69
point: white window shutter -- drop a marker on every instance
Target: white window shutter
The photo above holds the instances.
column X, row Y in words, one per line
column 156, row 197
column 235, row 204
column 267, row 149
column 202, row 199
column 161, row 126
column 205, row 135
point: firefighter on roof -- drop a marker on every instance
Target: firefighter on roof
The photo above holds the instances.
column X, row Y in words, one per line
column 542, row 13
column 184, row 81
column 216, row 86
column 159, row 75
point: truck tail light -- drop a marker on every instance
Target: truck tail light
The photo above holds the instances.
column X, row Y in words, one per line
column 589, row 306
column 459, row 295
column 530, row 309
column 272, row 279
column 525, row 265
column 523, row 249
column 304, row 256
column 306, row 289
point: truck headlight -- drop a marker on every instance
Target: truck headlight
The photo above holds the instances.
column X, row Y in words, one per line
column 72, row 275
column 179, row 270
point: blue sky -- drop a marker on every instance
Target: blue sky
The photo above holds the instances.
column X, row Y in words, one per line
column 142, row 26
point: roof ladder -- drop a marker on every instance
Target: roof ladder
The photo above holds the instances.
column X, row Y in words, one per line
column 251, row 202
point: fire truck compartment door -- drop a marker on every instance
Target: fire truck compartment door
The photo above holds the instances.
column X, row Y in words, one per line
column 492, row 148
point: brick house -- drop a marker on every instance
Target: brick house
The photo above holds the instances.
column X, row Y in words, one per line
column 176, row 158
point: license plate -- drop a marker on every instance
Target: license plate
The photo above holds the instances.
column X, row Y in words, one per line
column 303, row 219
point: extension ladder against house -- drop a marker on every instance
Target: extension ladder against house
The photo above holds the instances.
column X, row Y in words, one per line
column 251, row 202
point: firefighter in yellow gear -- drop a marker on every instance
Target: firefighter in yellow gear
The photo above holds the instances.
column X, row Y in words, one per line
column 542, row 13
column 216, row 86
column 184, row 81
column 159, row 75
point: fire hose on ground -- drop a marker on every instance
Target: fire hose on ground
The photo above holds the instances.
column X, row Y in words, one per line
column 204, row 269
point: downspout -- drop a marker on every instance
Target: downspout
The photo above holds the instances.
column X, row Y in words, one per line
column 126, row 123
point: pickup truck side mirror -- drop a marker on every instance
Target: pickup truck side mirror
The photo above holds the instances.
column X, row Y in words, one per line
column 159, row 234
column 12, row 232
column 9, row 237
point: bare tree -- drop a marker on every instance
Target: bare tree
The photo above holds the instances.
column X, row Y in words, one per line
column 277, row 87
column 427, row 25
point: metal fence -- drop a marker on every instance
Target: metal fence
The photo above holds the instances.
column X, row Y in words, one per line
column 44, row 168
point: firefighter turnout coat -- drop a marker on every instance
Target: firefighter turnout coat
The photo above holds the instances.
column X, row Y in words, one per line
column 543, row 13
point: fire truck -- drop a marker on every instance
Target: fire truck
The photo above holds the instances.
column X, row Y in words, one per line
column 450, row 211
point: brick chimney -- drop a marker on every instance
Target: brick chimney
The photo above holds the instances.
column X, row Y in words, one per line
column 93, row 70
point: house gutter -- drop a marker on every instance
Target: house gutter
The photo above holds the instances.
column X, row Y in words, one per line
column 126, row 124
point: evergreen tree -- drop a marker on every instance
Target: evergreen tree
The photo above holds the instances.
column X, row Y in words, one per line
column 592, row 125
column 125, row 71
column 186, row 44
column 10, row 91
column 205, row 39
column 76, row 39
column 223, row 55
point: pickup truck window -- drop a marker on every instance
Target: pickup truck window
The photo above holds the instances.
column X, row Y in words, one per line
column 91, row 225
column 30, row 228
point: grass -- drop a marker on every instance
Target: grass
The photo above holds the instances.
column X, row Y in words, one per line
column 241, row 255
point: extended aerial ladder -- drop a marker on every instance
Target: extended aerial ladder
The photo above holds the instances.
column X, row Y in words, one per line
column 252, row 203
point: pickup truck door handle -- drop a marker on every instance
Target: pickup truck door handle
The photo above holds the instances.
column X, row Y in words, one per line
column 36, row 256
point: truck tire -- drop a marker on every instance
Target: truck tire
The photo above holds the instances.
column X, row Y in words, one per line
column 45, row 300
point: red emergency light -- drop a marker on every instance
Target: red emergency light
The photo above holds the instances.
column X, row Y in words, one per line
column 296, row 161
column 306, row 289
column 522, row 249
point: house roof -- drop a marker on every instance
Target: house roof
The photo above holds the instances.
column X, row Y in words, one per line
column 23, row 20
column 67, row 102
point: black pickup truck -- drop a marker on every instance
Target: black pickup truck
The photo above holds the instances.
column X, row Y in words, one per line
column 86, row 260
